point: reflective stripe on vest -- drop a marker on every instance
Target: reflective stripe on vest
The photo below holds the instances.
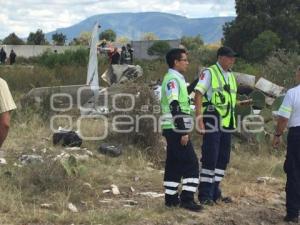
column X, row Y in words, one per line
column 183, row 99
column 222, row 100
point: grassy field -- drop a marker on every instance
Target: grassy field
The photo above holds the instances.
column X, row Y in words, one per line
column 40, row 193
column 24, row 190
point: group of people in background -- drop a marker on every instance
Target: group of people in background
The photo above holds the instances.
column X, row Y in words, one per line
column 125, row 57
column 3, row 57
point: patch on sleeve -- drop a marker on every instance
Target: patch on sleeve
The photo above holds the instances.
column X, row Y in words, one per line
column 202, row 75
column 171, row 85
column 172, row 89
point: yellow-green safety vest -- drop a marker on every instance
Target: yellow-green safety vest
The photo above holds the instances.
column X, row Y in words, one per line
column 223, row 97
column 183, row 99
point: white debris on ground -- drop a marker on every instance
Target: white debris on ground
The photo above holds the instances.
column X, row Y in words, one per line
column 115, row 190
column 72, row 208
column 152, row 194
column 3, row 161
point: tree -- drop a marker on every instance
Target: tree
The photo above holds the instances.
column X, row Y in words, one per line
column 256, row 16
column 192, row 43
column 108, row 35
column 59, row 38
column 262, row 46
column 149, row 36
column 12, row 39
column 37, row 38
column 280, row 67
column 159, row 48
column 83, row 39
column 123, row 40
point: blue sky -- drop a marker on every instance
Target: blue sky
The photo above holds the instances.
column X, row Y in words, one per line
column 24, row 16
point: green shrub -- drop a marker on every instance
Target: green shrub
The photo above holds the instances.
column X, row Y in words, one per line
column 69, row 57
column 244, row 67
column 159, row 48
column 262, row 46
column 280, row 68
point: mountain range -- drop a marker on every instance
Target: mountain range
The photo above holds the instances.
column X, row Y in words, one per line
column 165, row 26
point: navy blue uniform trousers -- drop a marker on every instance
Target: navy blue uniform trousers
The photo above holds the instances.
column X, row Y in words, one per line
column 292, row 170
column 181, row 163
column 215, row 157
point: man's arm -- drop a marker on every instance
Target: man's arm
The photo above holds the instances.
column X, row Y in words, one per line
column 4, row 126
column 281, row 125
column 192, row 86
column 198, row 108
column 284, row 114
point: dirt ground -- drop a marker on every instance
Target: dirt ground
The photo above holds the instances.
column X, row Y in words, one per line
column 264, row 206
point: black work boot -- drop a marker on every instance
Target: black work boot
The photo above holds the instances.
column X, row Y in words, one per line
column 191, row 205
column 171, row 200
column 289, row 218
column 224, row 200
column 207, row 202
column 172, row 204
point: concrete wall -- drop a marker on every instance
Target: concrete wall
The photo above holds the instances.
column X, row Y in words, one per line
column 35, row 50
column 140, row 49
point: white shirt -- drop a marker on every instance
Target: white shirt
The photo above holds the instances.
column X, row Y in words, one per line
column 6, row 101
column 204, row 83
column 290, row 107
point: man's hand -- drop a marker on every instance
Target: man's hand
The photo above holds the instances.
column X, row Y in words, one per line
column 184, row 140
column 245, row 102
column 276, row 141
column 201, row 126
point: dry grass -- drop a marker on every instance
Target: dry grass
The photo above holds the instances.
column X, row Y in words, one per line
column 23, row 190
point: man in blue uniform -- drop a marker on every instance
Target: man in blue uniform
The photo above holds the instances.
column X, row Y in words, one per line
column 215, row 102
column 181, row 161
column 289, row 115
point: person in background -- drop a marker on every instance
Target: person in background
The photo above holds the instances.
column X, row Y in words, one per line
column 12, row 57
column 130, row 50
column 125, row 56
column 2, row 56
column 289, row 116
column 115, row 57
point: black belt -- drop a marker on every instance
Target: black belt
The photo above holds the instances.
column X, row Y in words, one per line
column 294, row 129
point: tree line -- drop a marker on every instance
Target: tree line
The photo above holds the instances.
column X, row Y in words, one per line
column 260, row 28
column 58, row 38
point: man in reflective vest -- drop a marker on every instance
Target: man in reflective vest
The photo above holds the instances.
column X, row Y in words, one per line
column 176, row 122
column 289, row 116
column 215, row 101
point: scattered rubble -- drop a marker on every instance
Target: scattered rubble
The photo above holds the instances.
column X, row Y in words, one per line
column 266, row 180
column 72, row 208
column 67, row 138
column 111, row 150
column 115, row 190
column 121, row 73
column 3, row 161
column 46, row 205
column 152, row 194
column 28, row 159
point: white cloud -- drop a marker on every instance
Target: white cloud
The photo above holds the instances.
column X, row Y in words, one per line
column 24, row 16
